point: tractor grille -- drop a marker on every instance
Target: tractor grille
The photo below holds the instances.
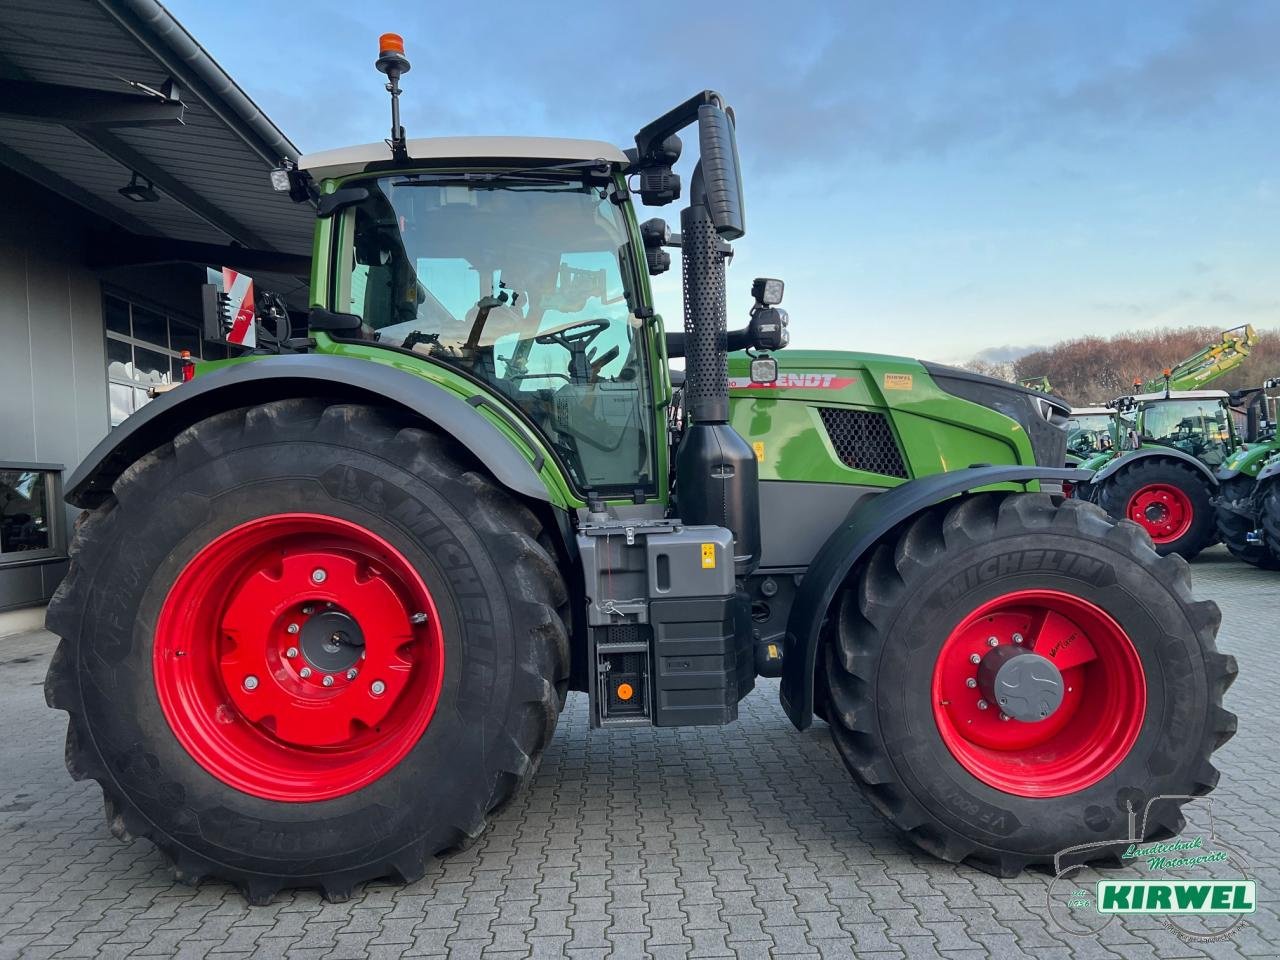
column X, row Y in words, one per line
column 863, row 441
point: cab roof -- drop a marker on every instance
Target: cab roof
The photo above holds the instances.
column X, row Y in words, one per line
column 344, row 161
column 1182, row 395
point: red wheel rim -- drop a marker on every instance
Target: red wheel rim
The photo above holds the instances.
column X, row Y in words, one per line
column 1085, row 738
column 1163, row 510
column 298, row 657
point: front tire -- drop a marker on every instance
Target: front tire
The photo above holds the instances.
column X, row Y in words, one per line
column 1141, row 681
column 1170, row 500
column 1234, row 528
column 307, row 645
column 1270, row 516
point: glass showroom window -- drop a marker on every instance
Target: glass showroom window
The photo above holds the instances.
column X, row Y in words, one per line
column 28, row 513
column 143, row 346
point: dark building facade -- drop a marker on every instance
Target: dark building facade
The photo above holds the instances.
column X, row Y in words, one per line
column 129, row 163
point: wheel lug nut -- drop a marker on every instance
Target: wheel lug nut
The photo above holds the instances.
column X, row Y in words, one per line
column 352, row 673
column 971, row 683
column 318, row 575
column 974, row 658
column 307, row 609
column 982, row 704
column 992, row 642
column 1004, row 716
column 304, row 672
column 293, row 627
column 378, row 688
column 418, row 618
column 1017, row 638
column 291, row 652
column 335, row 638
column 251, row 682
column 327, row 681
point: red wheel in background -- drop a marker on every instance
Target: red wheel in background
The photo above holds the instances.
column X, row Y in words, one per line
column 1163, row 510
column 298, row 657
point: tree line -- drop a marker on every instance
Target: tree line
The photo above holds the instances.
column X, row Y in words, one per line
column 1090, row 371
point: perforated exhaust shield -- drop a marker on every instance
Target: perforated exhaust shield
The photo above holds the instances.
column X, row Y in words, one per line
column 707, row 368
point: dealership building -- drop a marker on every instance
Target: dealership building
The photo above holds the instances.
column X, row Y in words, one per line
column 129, row 164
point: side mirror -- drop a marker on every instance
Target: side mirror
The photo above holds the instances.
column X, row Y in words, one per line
column 764, row 370
column 718, row 153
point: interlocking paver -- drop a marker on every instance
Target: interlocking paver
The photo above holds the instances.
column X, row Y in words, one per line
column 747, row 840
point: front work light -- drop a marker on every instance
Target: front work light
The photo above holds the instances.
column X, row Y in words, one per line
column 766, row 291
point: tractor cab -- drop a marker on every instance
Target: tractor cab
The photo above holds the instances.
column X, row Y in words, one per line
column 1089, row 431
column 1196, row 422
column 515, row 269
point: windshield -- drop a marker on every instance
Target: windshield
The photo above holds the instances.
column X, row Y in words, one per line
column 1197, row 427
column 1089, row 433
column 526, row 286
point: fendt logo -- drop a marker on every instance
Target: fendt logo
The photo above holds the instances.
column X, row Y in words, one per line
column 795, row 381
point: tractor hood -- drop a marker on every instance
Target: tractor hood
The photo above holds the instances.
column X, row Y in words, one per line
column 942, row 419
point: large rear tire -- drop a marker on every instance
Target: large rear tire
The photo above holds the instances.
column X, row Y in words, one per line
column 1234, row 527
column 1141, row 682
column 1170, row 500
column 307, row 645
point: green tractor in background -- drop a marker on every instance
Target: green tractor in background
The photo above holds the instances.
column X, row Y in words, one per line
column 1160, row 469
column 1157, row 465
column 327, row 599
column 1240, row 500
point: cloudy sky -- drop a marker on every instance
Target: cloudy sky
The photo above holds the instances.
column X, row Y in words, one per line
column 930, row 179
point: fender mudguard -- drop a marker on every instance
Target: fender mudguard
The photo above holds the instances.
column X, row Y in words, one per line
column 1168, row 453
column 302, row 375
column 1270, row 470
column 870, row 519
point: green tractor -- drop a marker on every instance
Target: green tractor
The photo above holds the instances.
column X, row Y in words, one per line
column 1239, row 503
column 1159, row 470
column 327, row 600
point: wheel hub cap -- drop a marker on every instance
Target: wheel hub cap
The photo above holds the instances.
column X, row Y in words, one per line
column 331, row 641
column 1023, row 685
column 298, row 657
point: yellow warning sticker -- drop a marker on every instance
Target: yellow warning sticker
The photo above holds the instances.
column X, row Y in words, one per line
column 708, row 556
column 758, row 447
column 897, row 381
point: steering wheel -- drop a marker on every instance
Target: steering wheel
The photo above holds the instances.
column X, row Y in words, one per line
column 575, row 336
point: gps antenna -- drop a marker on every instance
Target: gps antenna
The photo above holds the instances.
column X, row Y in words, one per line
column 392, row 61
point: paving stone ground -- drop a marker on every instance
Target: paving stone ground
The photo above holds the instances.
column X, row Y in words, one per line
column 747, row 840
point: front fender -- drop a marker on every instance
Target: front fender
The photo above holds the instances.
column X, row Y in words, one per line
column 303, row 375
column 1270, row 471
column 870, row 519
column 1167, row 453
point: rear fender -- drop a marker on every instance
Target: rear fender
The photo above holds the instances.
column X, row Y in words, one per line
column 1165, row 453
column 312, row 375
column 869, row 521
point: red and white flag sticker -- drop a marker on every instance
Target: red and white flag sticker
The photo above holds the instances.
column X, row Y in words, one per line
column 239, row 290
